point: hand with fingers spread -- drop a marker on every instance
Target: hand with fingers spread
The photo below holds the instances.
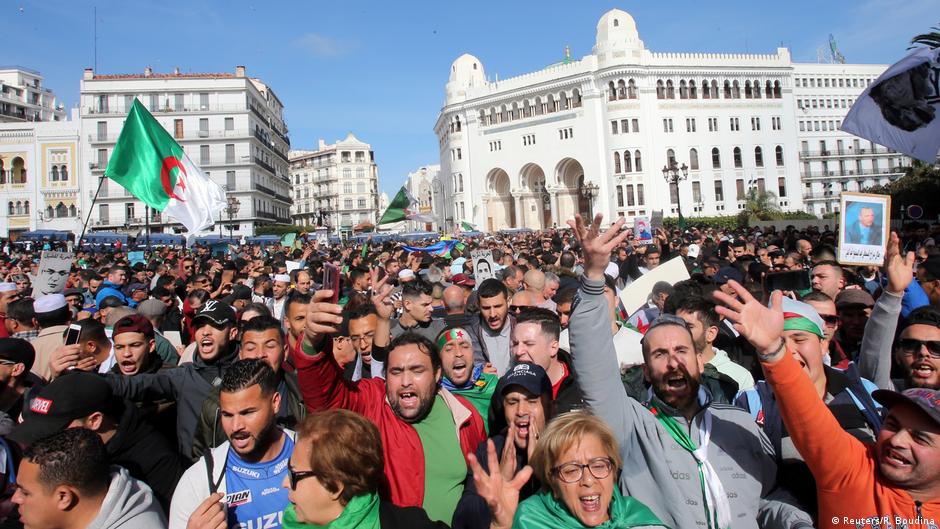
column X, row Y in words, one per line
column 381, row 291
column 501, row 495
column 760, row 325
column 323, row 317
column 898, row 268
column 595, row 246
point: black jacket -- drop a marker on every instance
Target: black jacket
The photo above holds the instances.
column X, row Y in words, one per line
column 395, row 517
column 146, row 454
column 569, row 395
column 472, row 511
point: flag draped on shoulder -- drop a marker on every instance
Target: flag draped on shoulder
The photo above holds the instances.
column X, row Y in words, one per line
column 403, row 207
column 149, row 163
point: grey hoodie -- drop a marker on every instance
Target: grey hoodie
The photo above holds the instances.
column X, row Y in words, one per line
column 656, row 470
column 129, row 504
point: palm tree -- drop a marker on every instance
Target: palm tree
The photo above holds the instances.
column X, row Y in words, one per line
column 931, row 40
column 760, row 205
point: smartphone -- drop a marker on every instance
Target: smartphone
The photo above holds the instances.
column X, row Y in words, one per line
column 791, row 280
column 71, row 336
column 331, row 280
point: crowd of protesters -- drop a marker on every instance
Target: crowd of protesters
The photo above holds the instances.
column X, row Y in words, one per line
column 200, row 390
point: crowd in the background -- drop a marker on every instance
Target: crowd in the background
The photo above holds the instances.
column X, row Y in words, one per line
column 769, row 386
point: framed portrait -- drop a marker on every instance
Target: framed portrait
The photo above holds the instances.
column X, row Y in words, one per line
column 642, row 230
column 864, row 226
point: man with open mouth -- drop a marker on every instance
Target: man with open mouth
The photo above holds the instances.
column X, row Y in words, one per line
column 461, row 375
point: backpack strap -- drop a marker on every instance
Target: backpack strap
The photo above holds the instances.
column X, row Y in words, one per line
column 861, row 395
column 213, row 484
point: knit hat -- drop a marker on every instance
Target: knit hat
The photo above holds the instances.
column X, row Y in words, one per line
column 799, row 316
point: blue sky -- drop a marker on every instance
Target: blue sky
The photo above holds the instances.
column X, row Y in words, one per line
column 378, row 69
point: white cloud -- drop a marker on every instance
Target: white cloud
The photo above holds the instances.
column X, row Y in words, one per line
column 323, row 45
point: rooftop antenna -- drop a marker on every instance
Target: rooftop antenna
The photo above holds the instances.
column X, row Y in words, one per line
column 96, row 39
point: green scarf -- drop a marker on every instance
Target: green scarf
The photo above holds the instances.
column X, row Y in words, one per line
column 544, row 511
column 362, row 512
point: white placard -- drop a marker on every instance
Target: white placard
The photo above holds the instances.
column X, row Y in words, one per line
column 638, row 292
column 863, row 228
column 53, row 273
column 482, row 265
column 292, row 265
column 642, row 230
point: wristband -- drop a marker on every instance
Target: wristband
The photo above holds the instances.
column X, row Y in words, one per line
column 763, row 357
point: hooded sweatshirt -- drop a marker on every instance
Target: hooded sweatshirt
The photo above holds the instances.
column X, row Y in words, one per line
column 129, row 504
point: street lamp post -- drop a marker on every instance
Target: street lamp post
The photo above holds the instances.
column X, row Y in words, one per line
column 590, row 191
column 673, row 175
column 231, row 209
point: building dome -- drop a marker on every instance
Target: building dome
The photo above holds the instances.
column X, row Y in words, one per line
column 466, row 72
column 617, row 37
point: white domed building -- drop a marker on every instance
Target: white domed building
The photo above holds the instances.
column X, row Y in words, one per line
column 531, row 151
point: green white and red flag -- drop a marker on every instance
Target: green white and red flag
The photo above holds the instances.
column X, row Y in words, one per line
column 149, row 163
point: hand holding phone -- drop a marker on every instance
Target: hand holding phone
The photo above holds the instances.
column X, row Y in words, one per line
column 73, row 333
column 331, row 280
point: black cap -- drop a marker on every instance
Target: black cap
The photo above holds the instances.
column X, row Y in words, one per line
column 927, row 400
column 932, row 266
column 72, row 396
column 530, row 376
column 219, row 314
column 17, row 350
column 239, row 292
column 727, row 273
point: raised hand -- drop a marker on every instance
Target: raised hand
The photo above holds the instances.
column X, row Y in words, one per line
column 380, row 293
column 900, row 270
column 760, row 325
column 501, row 495
column 595, row 246
column 322, row 317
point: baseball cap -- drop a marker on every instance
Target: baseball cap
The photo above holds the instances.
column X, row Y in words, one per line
column 17, row 350
column 727, row 273
column 239, row 292
column 133, row 323
column 71, row 396
column 151, row 308
column 854, row 297
column 530, row 376
column 134, row 287
column 932, row 266
column 219, row 314
column 927, row 400
column 463, row 280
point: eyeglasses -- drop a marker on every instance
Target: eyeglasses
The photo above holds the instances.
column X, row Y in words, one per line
column 910, row 346
column 368, row 337
column 831, row 319
column 520, row 308
column 295, row 476
column 573, row 472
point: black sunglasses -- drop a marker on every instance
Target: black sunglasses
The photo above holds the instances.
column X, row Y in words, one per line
column 831, row 319
column 910, row 346
column 295, row 476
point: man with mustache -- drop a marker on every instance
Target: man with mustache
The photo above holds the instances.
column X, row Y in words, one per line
column 703, row 464
column 461, row 375
column 426, row 430
column 858, row 485
column 239, row 483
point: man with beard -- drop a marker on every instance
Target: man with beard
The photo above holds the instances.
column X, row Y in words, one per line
column 416, row 312
column 280, row 291
column 896, row 479
column 239, row 484
column 462, row 376
column 426, row 430
column 494, row 326
column 189, row 384
column 703, row 464
column 522, row 405
column 702, row 320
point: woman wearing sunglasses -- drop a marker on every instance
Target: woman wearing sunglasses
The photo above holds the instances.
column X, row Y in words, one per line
column 334, row 475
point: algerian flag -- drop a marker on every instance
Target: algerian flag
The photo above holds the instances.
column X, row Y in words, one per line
column 403, row 207
column 466, row 226
column 153, row 167
column 287, row 240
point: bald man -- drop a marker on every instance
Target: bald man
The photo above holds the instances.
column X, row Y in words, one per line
column 455, row 316
column 455, row 299
column 534, row 283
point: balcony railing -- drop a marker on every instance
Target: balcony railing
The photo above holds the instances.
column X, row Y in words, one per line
column 167, row 109
column 847, row 152
column 851, row 172
column 191, row 136
column 265, row 164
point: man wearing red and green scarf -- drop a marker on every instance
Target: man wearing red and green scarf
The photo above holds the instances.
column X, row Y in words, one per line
column 461, row 375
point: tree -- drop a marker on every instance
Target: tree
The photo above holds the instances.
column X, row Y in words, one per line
column 930, row 40
column 760, row 205
column 920, row 182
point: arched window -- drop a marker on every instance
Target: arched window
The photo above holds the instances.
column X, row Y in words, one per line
column 714, row 89
column 758, row 157
column 768, row 90
column 539, row 106
column 514, row 112
column 72, row 210
column 693, row 159
column 503, row 114
column 564, row 102
column 460, row 182
column 10, row 210
column 716, row 158
column 18, row 171
column 738, row 162
column 26, row 207
column 683, row 90
column 55, row 173
column 551, row 103
column 706, row 93
column 637, row 163
column 631, row 89
column 19, row 207
column 494, row 117
column 576, row 98
column 612, row 91
column 778, row 153
column 482, row 117
column 627, row 162
column 756, row 89
column 727, row 89
column 621, row 89
column 61, row 210
column 50, row 213
column 747, row 90
column 660, row 90
column 3, row 174
column 670, row 90
column 777, row 94
column 692, row 90
column 617, row 168
column 736, row 89
column 670, row 157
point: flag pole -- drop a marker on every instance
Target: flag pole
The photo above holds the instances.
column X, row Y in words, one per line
column 147, row 228
column 88, row 216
